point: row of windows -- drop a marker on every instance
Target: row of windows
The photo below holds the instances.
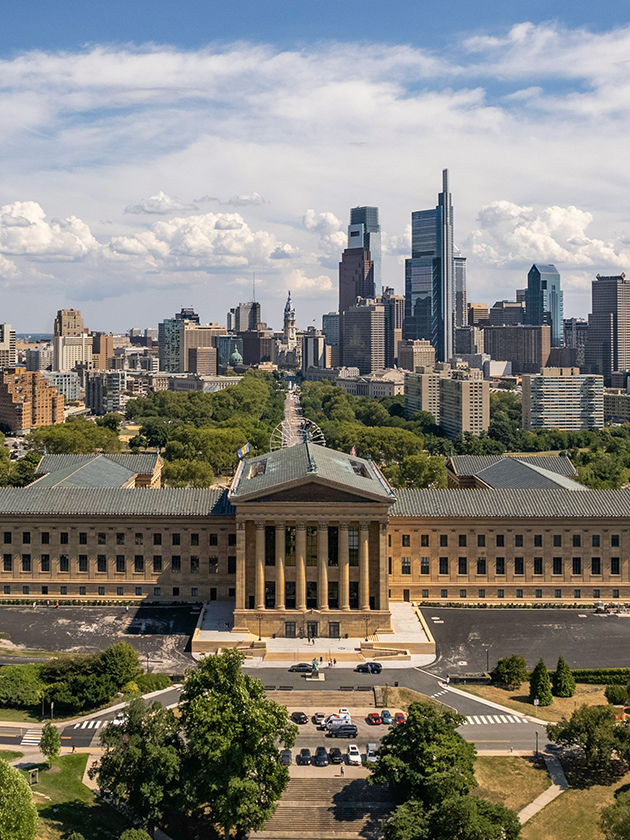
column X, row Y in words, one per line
column 27, row 564
column 463, row 565
column 311, row 545
column 120, row 539
column 538, row 593
column 462, row 540
column 120, row 591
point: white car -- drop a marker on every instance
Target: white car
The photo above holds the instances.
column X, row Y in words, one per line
column 354, row 756
column 120, row 718
column 344, row 711
column 370, row 756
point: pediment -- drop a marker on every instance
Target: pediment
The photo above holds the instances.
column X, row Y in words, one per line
column 311, row 489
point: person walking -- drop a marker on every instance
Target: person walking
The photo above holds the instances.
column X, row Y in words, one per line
column 343, row 772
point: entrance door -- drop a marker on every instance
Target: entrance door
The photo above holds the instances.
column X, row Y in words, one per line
column 311, row 629
column 333, row 629
column 405, row 594
column 289, row 629
column 213, row 593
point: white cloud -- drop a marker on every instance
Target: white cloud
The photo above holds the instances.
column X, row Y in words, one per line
column 8, row 269
column 160, row 204
column 25, row 231
column 246, row 200
column 332, row 237
column 312, row 286
column 398, row 245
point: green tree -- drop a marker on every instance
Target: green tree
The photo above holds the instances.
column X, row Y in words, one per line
column 615, row 820
column 76, row 436
column 142, row 761
column 112, row 421
column 76, row 835
column 120, row 662
column 187, row 473
column 50, row 744
column 617, row 695
column 510, row 672
column 427, row 746
column 418, row 471
column 232, row 777
column 592, row 730
column 409, row 821
column 563, row 680
column 134, row 834
column 18, row 814
column 540, row 685
column 138, row 442
column 463, row 817
column 22, row 473
column 20, row 685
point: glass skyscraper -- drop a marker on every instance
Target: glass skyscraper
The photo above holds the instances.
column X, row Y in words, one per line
column 429, row 276
column 543, row 301
column 364, row 231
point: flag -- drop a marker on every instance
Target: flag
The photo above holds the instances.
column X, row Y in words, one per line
column 353, row 451
column 243, row 451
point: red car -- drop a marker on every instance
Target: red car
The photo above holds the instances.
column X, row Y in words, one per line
column 374, row 718
column 399, row 718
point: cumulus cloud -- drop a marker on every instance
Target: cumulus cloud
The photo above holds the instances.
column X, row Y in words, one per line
column 332, row 237
column 297, row 280
column 246, row 200
column 399, row 246
column 8, row 269
column 160, row 204
column 25, row 231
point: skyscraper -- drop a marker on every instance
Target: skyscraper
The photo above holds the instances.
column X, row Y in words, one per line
column 544, row 301
column 608, row 345
column 429, row 276
column 461, row 312
column 365, row 231
column 356, row 280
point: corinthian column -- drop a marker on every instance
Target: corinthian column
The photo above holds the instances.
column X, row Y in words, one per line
column 300, row 551
column 280, row 545
column 322, row 565
column 364, row 566
column 260, row 565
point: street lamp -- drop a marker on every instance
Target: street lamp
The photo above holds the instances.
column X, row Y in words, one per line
column 366, row 618
column 259, row 616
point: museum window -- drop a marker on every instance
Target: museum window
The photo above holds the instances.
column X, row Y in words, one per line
column 176, row 563
column 101, row 590
column 157, row 563
column 557, row 540
column 231, row 539
column 500, row 566
column 45, row 562
column 443, row 593
column 519, row 566
column 311, row 594
column 482, row 593
column 213, row 565
column 194, row 539
column 519, row 593
column 63, row 590
column 101, row 563
column 577, row 565
column 557, row 566
column 157, row 539
column 425, row 593
column 462, row 540
column 8, row 563
column 500, row 593
column 389, row 565
column 120, row 539
column 311, row 545
column 101, row 539
column 333, row 545
column 596, row 593
column 353, row 546
column 45, row 537
column 557, row 593
column 577, row 541
column 500, row 542
column 7, row 590
column 538, row 565
column 443, row 565
column 405, row 565
column 615, row 566
column 82, row 538
column 120, row 562
column 270, row 545
column 595, row 540
column 176, row 539
column 614, row 541
column 538, row 541
column 64, row 563
column 194, row 592
column 462, row 593
column 26, row 538
column 481, row 565
column 139, row 590
column 406, row 540
column 157, row 591
column 333, row 595
column 213, row 539
column 596, row 565
column 63, row 538
column 231, row 564
column 518, row 541
column 353, row 593
column 7, row 538
column 289, row 545
column 577, row 594
column 424, row 565
column 176, row 592
column 481, row 540
column 83, row 562
column 26, row 589
column 462, row 566
column 138, row 563
column 538, row 593
column 424, row 540
column 615, row 593
column 120, row 590
column 139, row 539
column 443, row 540
column 44, row 590
column 194, row 565
column 289, row 594
column 82, row 590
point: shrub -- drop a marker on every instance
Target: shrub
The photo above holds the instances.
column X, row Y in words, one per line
column 120, row 663
column 617, row 694
column 602, row 676
column 152, row 682
column 510, row 672
column 134, row 834
column 20, row 685
column 130, row 688
column 540, row 685
column 18, row 815
column 563, row 681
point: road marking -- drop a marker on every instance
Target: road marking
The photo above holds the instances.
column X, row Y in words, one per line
column 84, row 724
column 32, row 738
column 493, row 719
column 476, row 719
column 483, row 720
column 97, row 724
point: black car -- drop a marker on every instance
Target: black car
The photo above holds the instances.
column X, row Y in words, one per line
column 346, row 730
column 299, row 717
column 286, row 757
column 304, row 757
column 369, row 668
column 301, row 668
column 320, row 759
column 335, row 756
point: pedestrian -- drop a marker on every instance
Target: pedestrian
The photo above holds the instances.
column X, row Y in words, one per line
column 448, row 680
column 47, row 603
column 57, row 605
column 343, row 772
column 127, row 608
column 334, row 662
column 33, row 604
column 321, row 659
column 74, row 749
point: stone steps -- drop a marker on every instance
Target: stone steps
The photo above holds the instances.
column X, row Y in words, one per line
column 315, row 700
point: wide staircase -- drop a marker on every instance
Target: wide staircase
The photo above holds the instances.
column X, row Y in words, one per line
column 313, row 700
column 329, row 809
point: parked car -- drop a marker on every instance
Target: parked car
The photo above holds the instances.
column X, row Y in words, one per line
column 399, row 718
column 120, row 718
column 369, row 668
column 299, row 717
column 304, row 757
column 386, row 717
column 320, row 759
column 374, row 718
column 286, row 757
column 354, row 756
column 346, row 730
column 335, row 756
column 344, row 711
column 301, row 668
column 319, row 718
column 370, row 756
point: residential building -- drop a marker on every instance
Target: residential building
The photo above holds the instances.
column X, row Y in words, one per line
column 545, row 301
column 527, row 347
column 575, row 337
column 8, row 357
column 468, row 340
column 104, row 391
column 356, row 280
column 28, row 401
column 202, row 360
column 72, row 351
column 477, row 314
column 364, row 231
column 608, row 345
column 422, row 393
column 66, row 383
column 102, row 350
column 495, row 369
column 429, row 276
column 461, row 308
column 363, row 335
column 464, row 404
column 616, row 405
column 562, row 398
column 413, row 354
column 40, row 358
column 315, row 351
column 394, row 316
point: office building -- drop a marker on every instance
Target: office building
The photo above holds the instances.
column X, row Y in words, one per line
column 507, row 312
column 8, row 355
column 68, row 322
column 229, row 351
column 415, row 354
column 464, row 404
column 194, row 336
column 562, row 398
column 258, row 346
column 478, row 314
column 394, row 316
column 616, row 405
column 608, row 345
column 364, row 232
column 468, row 340
column 461, row 307
column 422, row 393
column 364, row 336
column 545, row 301
column 429, row 276
column 202, row 360
column 66, row 383
column 39, row 359
column 527, row 347
column 245, row 317
column 330, row 327
column 356, row 280
column 102, row 350
column 575, row 338
column 315, row 351
column 28, row 401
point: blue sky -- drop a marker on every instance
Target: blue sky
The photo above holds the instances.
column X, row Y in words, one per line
column 156, row 154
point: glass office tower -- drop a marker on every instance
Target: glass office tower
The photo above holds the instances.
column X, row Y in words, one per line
column 544, row 304
column 364, row 231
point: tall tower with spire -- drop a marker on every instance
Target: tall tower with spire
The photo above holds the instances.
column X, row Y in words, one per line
column 289, row 335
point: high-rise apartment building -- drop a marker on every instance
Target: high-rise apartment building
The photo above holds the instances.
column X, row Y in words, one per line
column 8, row 356
column 364, row 232
column 422, row 393
column 561, row 398
column 39, row 359
column 527, row 347
column 461, row 310
column 364, row 336
column 356, row 280
column 394, row 316
column 464, row 404
column 66, row 383
column 71, row 344
column 315, row 351
column 545, row 301
column 415, row 354
column 27, row 401
column 575, row 337
column 103, row 390
column 468, row 341
column 608, row 345
column 68, row 322
column 507, row 312
column 102, row 350
column 429, row 276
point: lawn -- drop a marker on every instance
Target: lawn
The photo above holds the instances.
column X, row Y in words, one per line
column 400, row 698
column 574, row 815
column 512, row 781
column 10, row 755
column 65, row 804
column 518, row 700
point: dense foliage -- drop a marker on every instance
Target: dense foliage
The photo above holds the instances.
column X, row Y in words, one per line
column 593, row 731
column 615, row 820
column 563, row 681
column 77, row 436
column 16, row 473
column 540, row 685
column 18, row 815
column 510, row 672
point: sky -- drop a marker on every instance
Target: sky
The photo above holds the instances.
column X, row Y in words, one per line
column 155, row 155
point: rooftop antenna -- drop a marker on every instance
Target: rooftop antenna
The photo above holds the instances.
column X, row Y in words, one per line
column 254, row 286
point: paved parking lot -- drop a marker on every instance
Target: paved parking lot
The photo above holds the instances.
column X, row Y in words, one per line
column 469, row 639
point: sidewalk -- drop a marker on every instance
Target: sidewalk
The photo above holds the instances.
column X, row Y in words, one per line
column 558, row 786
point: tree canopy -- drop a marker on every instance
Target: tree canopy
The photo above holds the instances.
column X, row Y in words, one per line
column 18, row 815
column 77, row 436
column 591, row 729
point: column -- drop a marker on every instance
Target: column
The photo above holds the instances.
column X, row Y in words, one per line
column 344, row 567
column 383, row 581
column 280, row 544
column 300, row 562
column 364, row 566
column 322, row 565
column 240, row 566
column 260, row 565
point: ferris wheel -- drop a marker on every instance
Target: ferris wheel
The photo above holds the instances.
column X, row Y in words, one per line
column 290, row 434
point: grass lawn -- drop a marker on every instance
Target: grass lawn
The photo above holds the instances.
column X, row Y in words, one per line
column 518, row 700
column 574, row 815
column 10, row 755
column 400, row 698
column 512, row 781
column 66, row 805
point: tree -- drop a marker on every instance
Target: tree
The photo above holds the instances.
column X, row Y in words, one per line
column 142, row 761
column 617, row 694
column 592, row 730
column 464, row 817
column 540, row 685
column 231, row 776
column 187, row 473
column 563, row 680
column 20, row 685
column 50, row 744
column 76, row 436
column 120, row 662
column 615, row 820
column 18, row 815
column 134, row 834
column 427, row 746
column 418, row 471
column 112, row 421
column 510, row 672
column 76, row 835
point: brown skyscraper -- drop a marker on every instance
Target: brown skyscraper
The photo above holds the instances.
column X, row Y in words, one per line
column 69, row 323
column 356, row 280
column 28, row 401
column 527, row 347
column 364, row 337
column 102, row 350
column 608, row 344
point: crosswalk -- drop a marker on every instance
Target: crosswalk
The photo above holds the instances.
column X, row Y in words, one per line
column 32, row 738
column 90, row 724
column 474, row 720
